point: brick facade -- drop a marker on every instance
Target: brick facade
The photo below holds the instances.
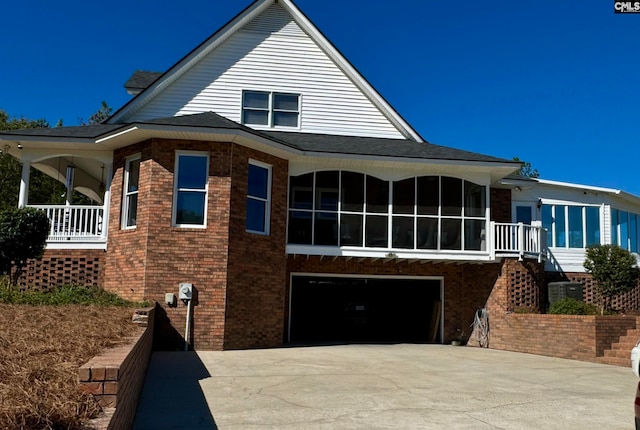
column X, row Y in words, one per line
column 239, row 284
column 500, row 205
column 256, row 272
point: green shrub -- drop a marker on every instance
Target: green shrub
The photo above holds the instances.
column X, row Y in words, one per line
column 569, row 306
column 65, row 295
column 613, row 270
column 23, row 235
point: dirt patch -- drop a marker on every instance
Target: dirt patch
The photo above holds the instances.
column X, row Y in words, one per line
column 41, row 348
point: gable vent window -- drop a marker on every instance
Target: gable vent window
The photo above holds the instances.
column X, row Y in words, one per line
column 270, row 109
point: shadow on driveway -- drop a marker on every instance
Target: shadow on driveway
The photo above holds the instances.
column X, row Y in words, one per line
column 172, row 397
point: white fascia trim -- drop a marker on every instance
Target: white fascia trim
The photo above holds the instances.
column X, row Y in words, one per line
column 383, row 253
column 389, row 158
column 186, row 63
column 117, row 133
column 579, row 186
column 349, row 70
column 77, row 245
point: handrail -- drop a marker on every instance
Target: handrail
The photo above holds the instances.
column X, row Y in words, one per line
column 74, row 223
column 518, row 239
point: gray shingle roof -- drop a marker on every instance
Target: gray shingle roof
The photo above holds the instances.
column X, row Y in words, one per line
column 141, row 79
column 78, row 132
column 378, row 147
column 307, row 142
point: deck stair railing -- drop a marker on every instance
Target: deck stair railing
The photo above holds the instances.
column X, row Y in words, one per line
column 518, row 240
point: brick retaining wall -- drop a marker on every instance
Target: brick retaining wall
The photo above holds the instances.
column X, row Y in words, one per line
column 116, row 377
column 576, row 337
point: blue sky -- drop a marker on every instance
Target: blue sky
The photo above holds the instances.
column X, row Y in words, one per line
column 554, row 83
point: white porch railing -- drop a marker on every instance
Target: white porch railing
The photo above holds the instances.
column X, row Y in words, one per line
column 518, row 240
column 75, row 223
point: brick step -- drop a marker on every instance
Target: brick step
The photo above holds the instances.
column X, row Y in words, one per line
column 615, row 361
column 625, row 345
column 615, row 353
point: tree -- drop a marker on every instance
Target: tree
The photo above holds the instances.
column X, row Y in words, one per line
column 23, row 236
column 100, row 115
column 526, row 171
column 613, row 270
column 10, row 168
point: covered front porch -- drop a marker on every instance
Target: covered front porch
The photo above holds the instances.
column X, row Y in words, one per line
column 78, row 217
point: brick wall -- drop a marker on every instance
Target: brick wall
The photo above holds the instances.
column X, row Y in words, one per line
column 576, row 337
column 152, row 259
column 127, row 249
column 500, row 205
column 256, row 276
column 58, row 267
column 116, row 377
column 239, row 288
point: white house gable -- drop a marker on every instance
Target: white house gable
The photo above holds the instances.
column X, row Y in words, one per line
column 273, row 54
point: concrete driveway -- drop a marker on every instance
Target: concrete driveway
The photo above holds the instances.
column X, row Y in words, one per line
column 382, row 387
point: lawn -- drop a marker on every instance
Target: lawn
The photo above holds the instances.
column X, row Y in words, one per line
column 41, row 348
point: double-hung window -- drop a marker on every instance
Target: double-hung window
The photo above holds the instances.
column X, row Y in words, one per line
column 270, row 109
column 190, row 189
column 130, row 197
column 258, row 197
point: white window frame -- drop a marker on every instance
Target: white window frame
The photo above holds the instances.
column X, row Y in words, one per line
column 271, row 109
column 177, row 190
column 267, row 201
column 567, row 240
column 389, row 214
column 126, row 194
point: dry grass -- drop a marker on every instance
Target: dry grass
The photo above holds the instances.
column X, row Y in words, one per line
column 41, row 348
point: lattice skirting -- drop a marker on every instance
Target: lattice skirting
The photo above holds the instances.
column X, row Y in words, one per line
column 64, row 267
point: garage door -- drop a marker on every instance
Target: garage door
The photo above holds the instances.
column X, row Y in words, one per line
column 336, row 309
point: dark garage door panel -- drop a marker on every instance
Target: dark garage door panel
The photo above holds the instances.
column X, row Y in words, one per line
column 334, row 309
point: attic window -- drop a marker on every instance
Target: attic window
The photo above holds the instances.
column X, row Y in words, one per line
column 270, row 109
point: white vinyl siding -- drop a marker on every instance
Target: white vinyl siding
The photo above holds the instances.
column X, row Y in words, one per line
column 273, row 54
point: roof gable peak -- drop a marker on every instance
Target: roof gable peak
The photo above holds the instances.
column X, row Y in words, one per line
column 245, row 17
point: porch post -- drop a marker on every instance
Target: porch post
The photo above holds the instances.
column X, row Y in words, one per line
column 23, row 197
column 69, row 182
column 106, row 201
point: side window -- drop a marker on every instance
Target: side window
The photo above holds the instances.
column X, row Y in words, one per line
column 130, row 192
column 190, row 189
column 258, row 197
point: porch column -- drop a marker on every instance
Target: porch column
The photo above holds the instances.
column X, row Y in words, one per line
column 106, row 201
column 23, row 197
column 71, row 170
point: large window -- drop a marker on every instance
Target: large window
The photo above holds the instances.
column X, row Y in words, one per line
column 625, row 230
column 130, row 197
column 258, row 197
column 571, row 226
column 190, row 189
column 270, row 109
column 339, row 208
